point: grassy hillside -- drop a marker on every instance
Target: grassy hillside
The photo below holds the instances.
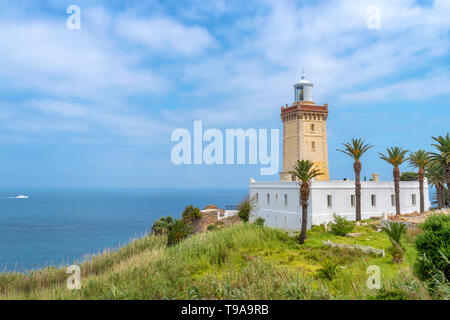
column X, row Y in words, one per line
column 239, row 262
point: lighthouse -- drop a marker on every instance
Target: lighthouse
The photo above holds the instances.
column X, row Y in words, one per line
column 304, row 131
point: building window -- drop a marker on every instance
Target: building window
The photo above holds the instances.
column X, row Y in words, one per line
column 393, row 200
column 285, row 200
column 313, row 127
column 413, row 199
column 352, row 200
column 268, row 198
column 313, row 145
column 373, row 198
column 276, row 196
column 256, row 197
column 329, row 201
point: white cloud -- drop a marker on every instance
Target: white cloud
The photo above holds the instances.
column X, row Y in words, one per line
column 165, row 35
column 345, row 60
column 84, row 78
column 45, row 56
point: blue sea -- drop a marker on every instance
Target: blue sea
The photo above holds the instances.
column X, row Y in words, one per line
column 59, row 227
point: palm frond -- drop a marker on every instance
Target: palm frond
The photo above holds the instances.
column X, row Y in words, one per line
column 304, row 170
column 395, row 156
column 355, row 148
column 418, row 159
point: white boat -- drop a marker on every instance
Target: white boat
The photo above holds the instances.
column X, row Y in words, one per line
column 22, row 197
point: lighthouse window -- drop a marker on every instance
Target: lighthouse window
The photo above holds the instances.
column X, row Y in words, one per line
column 301, row 94
column 313, row 127
column 313, row 145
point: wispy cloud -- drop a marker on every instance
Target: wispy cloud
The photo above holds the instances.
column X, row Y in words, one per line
column 137, row 70
column 166, row 36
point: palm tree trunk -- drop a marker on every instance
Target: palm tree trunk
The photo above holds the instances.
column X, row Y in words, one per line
column 304, row 196
column 422, row 198
column 397, row 190
column 442, row 193
column 447, row 181
column 304, row 223
column 439, row 196
column 357, row 168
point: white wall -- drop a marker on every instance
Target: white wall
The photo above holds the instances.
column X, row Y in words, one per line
column 341, row 192
column 279, row 215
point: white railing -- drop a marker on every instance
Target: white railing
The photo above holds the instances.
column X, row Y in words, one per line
column 355, row 246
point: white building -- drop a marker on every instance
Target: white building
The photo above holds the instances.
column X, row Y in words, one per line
column 304, row 138
column 279, row 202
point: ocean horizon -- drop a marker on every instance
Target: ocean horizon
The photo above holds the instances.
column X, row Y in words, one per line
column 56, row 227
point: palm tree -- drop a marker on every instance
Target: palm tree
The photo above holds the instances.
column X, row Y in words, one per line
column 355, row 149
column 435, row 174
column 395, row 156
column 304, row 171
column 419, row 160
column 395, row 231
column 442, row 157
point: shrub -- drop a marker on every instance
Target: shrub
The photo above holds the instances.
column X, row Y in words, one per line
column 190, row 214
column 387, row 294
column 433, row 247
column 341, row 226
column 328, row 270
column 178, row 231
column 409, row 176
column 245, row 208
column 260, row 221
column 162, row 225
column 395, row 232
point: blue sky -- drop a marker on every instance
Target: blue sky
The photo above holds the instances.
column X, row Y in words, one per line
column 96, row 107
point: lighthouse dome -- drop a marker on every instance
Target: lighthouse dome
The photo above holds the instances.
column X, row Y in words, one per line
column 303, row 90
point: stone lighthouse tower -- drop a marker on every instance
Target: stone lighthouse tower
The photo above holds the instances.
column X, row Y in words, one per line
column 304, row 131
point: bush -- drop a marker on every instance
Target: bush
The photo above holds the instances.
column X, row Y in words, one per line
column 245, row 209
column 260, row 221
column 190, row 214
column 178, row 231
column 386, row 294
column 162, row 225
column 433, row 248
column 409, row 176
column 341, row 226
column 328, row 270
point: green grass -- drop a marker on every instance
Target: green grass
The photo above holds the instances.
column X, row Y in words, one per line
column 244, row 261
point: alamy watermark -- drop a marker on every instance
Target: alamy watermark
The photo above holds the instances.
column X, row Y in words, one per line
column 74, row 280
column 374, row 280
column 232, row 150
column 73, row 22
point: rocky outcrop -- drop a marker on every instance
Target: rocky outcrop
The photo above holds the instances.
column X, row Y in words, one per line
column 210, row 217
